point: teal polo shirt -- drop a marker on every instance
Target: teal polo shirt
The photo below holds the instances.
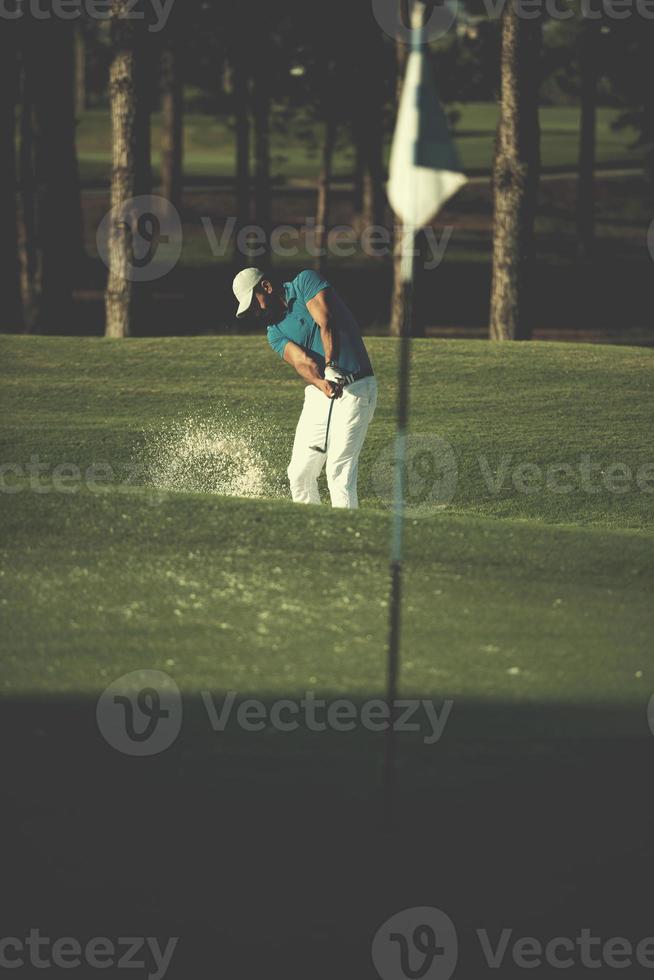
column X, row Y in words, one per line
column 297, row 325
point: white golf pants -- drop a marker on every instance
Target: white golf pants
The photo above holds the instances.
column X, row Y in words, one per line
column 351, row 416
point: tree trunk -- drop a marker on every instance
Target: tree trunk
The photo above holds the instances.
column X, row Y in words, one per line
column 325, row 178
column 515, row 178
column 241, row 81
column 29, row 255
column 368, row 130
column 371, row 175
column 359, row 170
column 11, row 313
column 80, row 69
column 397, row 297
column 49, row 82
column 262, row 157
column 144, row 73
column 172, row 110
column 228, row 77
column 586, row 179
column 123, row 87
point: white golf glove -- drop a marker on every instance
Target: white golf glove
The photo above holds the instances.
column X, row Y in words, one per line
column 334, row 375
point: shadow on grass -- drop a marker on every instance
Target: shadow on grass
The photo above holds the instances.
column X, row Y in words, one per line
column 268, row 853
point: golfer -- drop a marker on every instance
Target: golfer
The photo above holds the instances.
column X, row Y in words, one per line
column 312, row 329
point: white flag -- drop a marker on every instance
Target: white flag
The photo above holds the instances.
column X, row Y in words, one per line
column 424, row 167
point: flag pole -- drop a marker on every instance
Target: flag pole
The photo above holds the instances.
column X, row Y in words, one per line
column 397, row 533
column 424, row 172
column 399, row 492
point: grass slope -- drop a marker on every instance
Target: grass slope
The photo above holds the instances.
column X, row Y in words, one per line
column 481, row 411
column 267, row 853
column 514, row 610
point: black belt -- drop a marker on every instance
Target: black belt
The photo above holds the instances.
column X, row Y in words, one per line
column 349, row 379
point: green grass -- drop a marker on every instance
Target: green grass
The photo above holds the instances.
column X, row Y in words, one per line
column 268, row 851
column 517, row 597
column 209, row 143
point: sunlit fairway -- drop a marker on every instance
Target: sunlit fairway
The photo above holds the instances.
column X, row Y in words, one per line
column 180, row 550
column 210, row 150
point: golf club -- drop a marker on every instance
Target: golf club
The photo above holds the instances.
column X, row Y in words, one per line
column 318, row 449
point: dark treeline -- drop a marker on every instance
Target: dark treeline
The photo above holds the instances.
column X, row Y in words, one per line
column 243, row 60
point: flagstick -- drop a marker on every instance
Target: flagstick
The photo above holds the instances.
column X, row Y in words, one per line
column 395, row 618
column 424, row 172
column 395, row 612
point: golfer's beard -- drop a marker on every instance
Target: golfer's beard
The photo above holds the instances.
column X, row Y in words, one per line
column 273, row 313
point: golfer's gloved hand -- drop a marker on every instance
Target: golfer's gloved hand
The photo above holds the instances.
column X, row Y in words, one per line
column 329, row 389
column 335, row 376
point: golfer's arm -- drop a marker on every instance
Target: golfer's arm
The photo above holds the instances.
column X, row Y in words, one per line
column 320, row 312
column 305, row 366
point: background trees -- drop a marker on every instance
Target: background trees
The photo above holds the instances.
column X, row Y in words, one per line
column 173, row 122
column 48, row 209
column 8, row 218
column 305, row 109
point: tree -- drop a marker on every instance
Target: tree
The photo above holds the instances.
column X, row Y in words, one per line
column 50, row 219
column 242, row 103
column 589, row 65
column 515, row 176
column 80, row 68
column 12, row 314
column 369, row 93
column 173, row 124
column 323, row 204
column 130, row 144
column 630, row 66
column 261, row 107
column 145, row 65
column 364, row 78
column 60, row 211
column 28, row 252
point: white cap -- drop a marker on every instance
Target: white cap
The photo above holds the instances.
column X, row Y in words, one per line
column 243, row 287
